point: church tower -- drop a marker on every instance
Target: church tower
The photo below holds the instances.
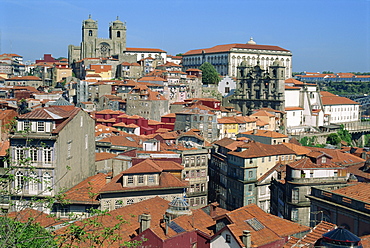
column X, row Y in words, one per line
column 117, row 33
column 257, row 88
column 89, row 35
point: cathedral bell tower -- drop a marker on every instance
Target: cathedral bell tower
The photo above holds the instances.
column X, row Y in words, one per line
column 117, row 33
column 89, row 35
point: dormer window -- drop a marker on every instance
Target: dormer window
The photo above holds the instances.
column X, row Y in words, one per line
column 26, row 125
column 130, row 179
column 323, row 160
column 40, row 126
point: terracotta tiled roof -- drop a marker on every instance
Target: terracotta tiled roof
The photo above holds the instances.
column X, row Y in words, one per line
column 125, row 140
column 228, row 47
column 293, row 81
column 147, row 166
column 330, row 99
column 306, row 163
column 256, row 149
column 99, row 156
column 273, row 228
column 166, row 180
column 34, row 216
column 262, row 113
column 293, row 108
column 266, row 133
column 358, row 191
column 315, row 234
column 156, row 207
column 299, row 150
column 338, row 157
column 131, row 49
column 24, row 78
column 86, row 192
column 365, row 241
column 4, row 146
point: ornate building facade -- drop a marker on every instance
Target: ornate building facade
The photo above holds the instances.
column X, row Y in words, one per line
column 257, row 88
column 226, row 58
column 94, row 47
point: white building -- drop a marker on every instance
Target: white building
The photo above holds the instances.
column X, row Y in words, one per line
column 142, row 53
column 226, row 58
column 340, row 110
column 226, row 86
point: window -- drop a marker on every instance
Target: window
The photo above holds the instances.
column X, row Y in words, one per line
column 294, row 216
column 47, row 154
column 64, row 211
column 40, row 126
column 192, row 173
column 263, row 159
column 90, row 32
column 323, row 160
column 141, row 179
column 250, row 188
column 118, row 34
column 19, row 153
column 228, row 238
column 117, row 204
column 263, row 190
column 26, row 125
column 46, row 182
column 32, row 184
column 106, row 205
column 130, row 179
column 295, row 195
column 33, row 154
column 130, row 201
column 250, row 174
column 151, row 179
column 19, row 180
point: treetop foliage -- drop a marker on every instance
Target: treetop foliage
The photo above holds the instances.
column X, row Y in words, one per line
column 209, row 73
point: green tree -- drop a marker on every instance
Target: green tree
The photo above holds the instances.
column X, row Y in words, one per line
column 24, row 235
column 209, row 74
column 333, row 139
column 344, row 135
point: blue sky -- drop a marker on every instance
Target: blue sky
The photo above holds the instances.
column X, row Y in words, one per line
column 322, row 34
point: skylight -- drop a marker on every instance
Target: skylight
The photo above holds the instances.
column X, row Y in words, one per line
column 174, row 226
column 255, row 224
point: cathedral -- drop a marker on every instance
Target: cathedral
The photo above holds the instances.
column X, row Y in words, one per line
column 94, row 47
column 257, row 88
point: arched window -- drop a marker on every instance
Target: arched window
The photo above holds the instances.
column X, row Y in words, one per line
column 90, row 32
column 46, row 182
column 118, row 34
column 19, row 180
column 32, row 183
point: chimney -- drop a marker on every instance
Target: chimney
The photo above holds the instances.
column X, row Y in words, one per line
column 144, row 220
column 108, row 179
column 246, row 239
column 254, row 131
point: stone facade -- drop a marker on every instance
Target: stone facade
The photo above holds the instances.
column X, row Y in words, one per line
column 60, row 149
column 257, row 88
column 93, row 47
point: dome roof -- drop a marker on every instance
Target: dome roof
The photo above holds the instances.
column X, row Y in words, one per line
column 117, row 21
column 178, row 207
column 341, row 234
column 251, row 41
column 89, row 20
